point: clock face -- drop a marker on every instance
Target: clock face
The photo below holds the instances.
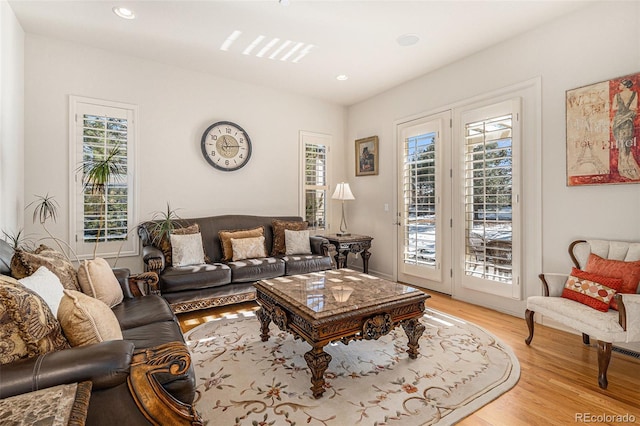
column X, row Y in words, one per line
column 226, row 146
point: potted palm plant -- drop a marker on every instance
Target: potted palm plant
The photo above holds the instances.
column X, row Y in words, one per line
column 97, row 172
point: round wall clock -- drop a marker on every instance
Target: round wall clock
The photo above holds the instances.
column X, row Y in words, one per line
column 226, row 146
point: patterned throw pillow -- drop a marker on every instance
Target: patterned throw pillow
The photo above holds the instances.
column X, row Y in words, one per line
column 279, row 241
column 629, row 272
column 591, row 289
column 297, row 242
column 27, row 326
column 248, row 248
column 226, row 236
column 25, row 263
column 97, row 280
column 86, row 320
column 187, row 249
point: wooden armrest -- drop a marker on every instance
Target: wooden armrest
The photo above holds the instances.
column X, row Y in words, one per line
column 158, row 406
column 149, row 281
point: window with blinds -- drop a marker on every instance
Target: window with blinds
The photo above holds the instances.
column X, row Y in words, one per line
column 488, row 198
column 101, row 129
column 106, row 214
column 315, row 185
column 419, row 195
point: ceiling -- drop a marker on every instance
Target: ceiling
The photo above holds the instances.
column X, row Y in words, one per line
column 354, row 38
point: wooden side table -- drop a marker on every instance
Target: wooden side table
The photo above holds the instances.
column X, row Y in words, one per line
column 358, row 244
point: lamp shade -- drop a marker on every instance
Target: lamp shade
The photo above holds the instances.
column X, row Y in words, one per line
column 343, row 192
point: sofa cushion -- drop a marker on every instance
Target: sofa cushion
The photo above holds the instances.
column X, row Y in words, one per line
column 139, row 311
column 87, row 320
column 304, row 264
column 599, row 325
column 279, row 241
column 27, row 326
column 590, row 289
column 194, row 277
column 25, row 263
column 256, row 269
column 297, row 242
column 629, row 272
column 47, row 285
column 227, row 236
column 96, row 278
column 187, row 249
column 164, row 243
column 248, row 248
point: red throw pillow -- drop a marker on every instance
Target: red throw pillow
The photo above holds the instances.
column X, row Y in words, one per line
column 629, row 272
column 591, row 289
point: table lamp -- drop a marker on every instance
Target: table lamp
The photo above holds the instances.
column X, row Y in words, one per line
column 342, row 193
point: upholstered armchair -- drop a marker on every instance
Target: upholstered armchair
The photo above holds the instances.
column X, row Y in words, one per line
column 614, row 263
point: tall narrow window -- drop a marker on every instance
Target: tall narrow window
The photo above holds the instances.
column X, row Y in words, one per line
column 103, row 130
column 419, row 188
column 488, row 198
column 315, row 186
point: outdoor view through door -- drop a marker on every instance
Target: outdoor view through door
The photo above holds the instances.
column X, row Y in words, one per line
column 488, row 198
column 419, row 188
column 423, row 241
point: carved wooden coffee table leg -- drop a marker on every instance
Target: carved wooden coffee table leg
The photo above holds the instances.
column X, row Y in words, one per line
column 414, row 330
column 318, row 361
column 265, row 320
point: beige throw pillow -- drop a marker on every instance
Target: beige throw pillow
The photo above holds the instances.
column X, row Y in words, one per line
column 248, row 248
column 187, row 249
column 297, row 242
column 279, row 227
column 86, row 320
column 97, row 280
column 226, row 236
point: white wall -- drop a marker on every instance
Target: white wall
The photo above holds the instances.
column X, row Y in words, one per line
column 11, row 121
column 175, row 106
column 594, row 44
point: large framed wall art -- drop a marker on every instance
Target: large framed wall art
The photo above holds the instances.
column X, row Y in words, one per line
column 603, row 132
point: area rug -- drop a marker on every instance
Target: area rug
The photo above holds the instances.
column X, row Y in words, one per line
column 244, row 381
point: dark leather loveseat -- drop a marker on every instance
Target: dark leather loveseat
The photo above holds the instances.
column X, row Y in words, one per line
column 219, row 282
column 146, row 378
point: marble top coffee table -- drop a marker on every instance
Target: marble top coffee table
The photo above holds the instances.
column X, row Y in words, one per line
column 338, row 305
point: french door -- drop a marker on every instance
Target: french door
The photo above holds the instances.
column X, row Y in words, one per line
column 424, row 213
column 459, row 180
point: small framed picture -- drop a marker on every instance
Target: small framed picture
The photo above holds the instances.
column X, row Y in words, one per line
column 367, row 156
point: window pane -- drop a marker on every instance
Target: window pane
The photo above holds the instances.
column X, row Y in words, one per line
column 315, row 185
column 419, row 189
column 488, row 190
column 106, row 214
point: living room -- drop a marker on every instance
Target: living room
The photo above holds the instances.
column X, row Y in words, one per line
column 595, row 42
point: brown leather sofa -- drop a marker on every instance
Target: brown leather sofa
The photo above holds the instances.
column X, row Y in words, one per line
column 146, row 378
column 220, row 282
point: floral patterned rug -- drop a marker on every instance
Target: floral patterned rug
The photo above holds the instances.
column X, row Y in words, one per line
column 244, row 381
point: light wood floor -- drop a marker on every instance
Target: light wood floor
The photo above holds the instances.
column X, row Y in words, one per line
column 558, row 378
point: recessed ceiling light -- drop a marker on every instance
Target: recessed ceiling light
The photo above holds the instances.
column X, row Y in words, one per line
column 123, row 12
column 408, row 39
column 342, row 77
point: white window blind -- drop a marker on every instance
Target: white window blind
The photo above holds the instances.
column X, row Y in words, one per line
column 419, row 194
column 106, row 216
column 315, row 185
column 488, row 198
column 102, row 129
